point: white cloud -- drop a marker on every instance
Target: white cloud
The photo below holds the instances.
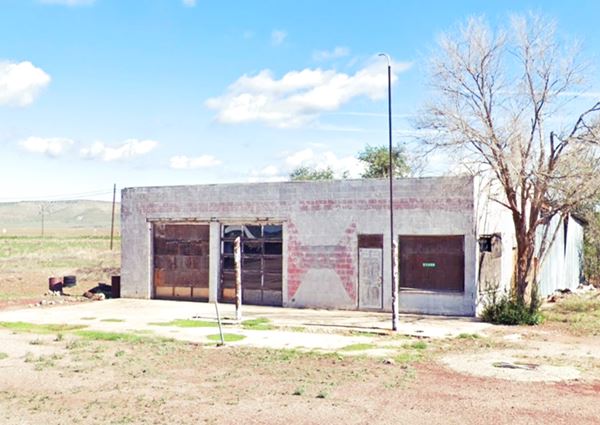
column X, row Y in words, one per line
column 324, row 159
column 189, row 3
column 299, row 97
column 20, row 83
column 128, row 149
column 69, row 2
column 336, row 53
column 270, row 173
column 319, row 159
column 50, row 146
column 183, row 162
column 278, row 37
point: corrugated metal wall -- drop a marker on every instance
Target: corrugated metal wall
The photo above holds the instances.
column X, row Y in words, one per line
column 563, row 263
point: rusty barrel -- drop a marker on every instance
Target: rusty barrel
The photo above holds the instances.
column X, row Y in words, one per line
column 55, row 284
column 69, row 281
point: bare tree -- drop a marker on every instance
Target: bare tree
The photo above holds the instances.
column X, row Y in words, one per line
column 500, row 96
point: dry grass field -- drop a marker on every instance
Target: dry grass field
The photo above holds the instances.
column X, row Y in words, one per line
column 26, row 263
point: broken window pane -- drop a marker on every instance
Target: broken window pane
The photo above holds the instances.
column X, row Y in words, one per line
column 232, row 231
column 273, row 231
column 252, row 232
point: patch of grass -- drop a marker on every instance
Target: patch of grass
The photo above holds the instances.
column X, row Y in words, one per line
column 298, row 391
column 258, row 324
column 465, row 335
column 187, row 323
column 408, row 357
column 110, row 336
column 88, row 318
column 227, row 337
column 77, row 344
column 3, row 356
column 284, row 355
column 296, row 329
column 419, row 345
column 43, row 362
column 358, row 347
column 142, row 331
column 112, row 320
column 580, row 312
column 39, row 329
column 59, row 337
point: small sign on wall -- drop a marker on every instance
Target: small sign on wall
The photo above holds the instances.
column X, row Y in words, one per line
column 429, row 265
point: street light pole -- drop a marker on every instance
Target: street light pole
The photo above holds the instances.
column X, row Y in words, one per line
column 391, row 181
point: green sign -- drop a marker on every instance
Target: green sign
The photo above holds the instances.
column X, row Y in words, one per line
column 429, row 265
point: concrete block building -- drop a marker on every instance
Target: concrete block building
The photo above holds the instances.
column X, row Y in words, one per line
column 322, row 244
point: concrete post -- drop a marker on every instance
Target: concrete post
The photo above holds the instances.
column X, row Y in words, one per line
column 214, row 261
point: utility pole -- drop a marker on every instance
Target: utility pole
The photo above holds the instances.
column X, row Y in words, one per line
column 393, row 250
column 42, row 212
column 112, row 221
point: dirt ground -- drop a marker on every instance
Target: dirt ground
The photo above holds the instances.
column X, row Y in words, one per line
column 105, row 378
column 546, row 374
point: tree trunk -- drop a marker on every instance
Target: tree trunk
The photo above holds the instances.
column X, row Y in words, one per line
column 525, row 251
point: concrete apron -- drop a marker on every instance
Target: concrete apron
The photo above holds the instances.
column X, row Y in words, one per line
column 323, row 328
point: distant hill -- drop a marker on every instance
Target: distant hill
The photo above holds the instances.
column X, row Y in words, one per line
column 59, row 215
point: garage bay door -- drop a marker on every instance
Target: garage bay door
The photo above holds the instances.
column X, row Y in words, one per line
column 181, row 261
column 434, row 263
column 261, row 264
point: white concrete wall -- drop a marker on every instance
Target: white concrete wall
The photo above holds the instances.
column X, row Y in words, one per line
column 321, row 222
column 494, row 218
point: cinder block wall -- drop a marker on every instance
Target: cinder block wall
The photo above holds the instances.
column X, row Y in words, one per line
column 321, row 221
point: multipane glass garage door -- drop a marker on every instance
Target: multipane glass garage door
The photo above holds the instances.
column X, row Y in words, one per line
column 261, row 246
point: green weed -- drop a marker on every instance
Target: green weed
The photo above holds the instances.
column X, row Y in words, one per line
column 468, row 336
column 227, row 337
column 258, row 324
column 187, row 323
column 358, row 347
column 39, row 329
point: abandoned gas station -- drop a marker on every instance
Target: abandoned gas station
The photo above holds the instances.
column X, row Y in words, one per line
column 325, row 244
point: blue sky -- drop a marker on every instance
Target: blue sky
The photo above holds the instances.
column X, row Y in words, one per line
column 161, row 92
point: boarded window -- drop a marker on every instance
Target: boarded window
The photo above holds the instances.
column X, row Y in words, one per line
column 434, row 263
column 370, row 271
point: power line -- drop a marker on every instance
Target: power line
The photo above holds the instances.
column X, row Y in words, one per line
column 62, row 197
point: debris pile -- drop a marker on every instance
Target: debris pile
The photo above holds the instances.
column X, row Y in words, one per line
column 560, row 294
